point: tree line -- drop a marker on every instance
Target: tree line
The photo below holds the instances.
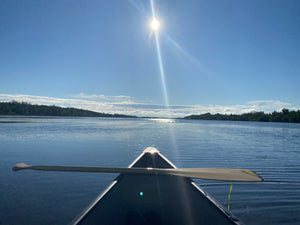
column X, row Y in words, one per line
column 27, row 109
column 285, row 116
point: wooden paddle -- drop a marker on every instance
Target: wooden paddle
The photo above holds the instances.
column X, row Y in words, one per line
column 200, row 173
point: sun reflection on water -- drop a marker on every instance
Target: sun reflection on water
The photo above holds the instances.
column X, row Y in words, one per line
column 162, row 120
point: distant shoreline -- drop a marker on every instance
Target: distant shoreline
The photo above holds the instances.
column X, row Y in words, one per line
column 26, row 109
column 285, row 116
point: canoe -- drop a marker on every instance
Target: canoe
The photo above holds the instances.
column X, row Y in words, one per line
column 154, row 199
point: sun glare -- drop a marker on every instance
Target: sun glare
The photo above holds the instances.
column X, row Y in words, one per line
column 154, row 24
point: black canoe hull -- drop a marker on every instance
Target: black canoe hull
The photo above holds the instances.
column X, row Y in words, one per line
column 152, row 199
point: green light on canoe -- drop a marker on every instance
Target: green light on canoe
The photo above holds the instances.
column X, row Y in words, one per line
column 141, row 193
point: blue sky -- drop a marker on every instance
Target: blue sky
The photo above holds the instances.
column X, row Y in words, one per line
column 218, row 56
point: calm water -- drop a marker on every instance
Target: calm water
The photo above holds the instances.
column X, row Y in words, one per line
column 34, row 197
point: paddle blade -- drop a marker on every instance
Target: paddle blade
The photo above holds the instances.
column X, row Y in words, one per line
column 218, row 174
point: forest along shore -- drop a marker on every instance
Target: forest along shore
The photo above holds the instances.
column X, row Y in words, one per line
column 285, row 116
column 27, row 109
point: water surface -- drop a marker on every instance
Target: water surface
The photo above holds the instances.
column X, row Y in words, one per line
column 35, row 197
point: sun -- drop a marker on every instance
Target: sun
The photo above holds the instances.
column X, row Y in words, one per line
column 154, row 24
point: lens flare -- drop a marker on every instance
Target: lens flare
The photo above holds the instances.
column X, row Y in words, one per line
column 154, row 24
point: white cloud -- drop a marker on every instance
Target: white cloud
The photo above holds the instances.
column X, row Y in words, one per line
column 103, row 97
column 269, row 105
column 127, row 105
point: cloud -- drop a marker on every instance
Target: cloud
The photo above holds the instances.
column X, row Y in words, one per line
column 127, row 105
column 149, row 106
column 268, row 105
column 105, row 98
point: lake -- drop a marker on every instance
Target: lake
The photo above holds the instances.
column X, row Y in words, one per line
column 34, row 197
